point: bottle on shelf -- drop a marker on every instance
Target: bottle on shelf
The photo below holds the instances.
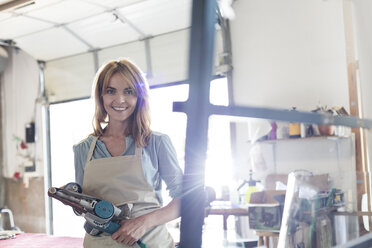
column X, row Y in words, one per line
column 294, row 128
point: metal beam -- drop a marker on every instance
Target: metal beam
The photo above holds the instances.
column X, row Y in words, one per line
column 95, row 59
column 196, row 109
column 282, row 115
column 125, row 20
column 77, row 37
column 46, row 149
column 148, row 58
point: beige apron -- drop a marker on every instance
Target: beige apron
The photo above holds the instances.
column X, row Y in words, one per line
column 121, row 180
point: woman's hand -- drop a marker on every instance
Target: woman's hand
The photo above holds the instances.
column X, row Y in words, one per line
column 131, row 230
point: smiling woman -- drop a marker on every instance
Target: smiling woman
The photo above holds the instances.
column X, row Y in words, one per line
column 124, row 162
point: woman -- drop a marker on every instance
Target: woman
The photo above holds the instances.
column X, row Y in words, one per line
column 124, row 162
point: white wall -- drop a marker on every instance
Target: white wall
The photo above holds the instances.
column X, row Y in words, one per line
column 289, row 53
column 20, row 85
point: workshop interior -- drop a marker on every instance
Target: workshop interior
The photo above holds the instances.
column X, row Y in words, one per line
column 268, row 104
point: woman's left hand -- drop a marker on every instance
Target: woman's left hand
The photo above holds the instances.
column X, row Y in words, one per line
column 131, row 230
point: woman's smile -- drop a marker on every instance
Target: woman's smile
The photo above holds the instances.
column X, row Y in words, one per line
column 119, row 108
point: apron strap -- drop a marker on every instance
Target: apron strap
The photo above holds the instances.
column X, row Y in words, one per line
column 91, row 149
column 138, row 151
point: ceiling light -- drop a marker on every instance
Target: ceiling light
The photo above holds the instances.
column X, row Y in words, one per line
column 14, row 4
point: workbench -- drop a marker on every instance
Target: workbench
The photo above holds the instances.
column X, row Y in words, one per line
column 226, row 209
column 38, row 240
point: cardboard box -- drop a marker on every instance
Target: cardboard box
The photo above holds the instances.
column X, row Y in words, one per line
column 265, row 210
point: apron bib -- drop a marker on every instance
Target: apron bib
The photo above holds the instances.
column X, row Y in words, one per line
column 121, row 180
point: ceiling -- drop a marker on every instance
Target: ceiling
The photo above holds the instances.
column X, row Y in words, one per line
column 50, row 29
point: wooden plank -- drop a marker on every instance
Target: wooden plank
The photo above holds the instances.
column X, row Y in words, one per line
column 352, row 70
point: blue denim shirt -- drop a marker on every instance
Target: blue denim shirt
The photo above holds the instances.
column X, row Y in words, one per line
column 159, row 161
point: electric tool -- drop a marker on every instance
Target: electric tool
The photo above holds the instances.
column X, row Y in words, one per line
column 100, row 215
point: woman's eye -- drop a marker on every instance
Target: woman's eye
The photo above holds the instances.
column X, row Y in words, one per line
column 110, row 91
column 129, row 92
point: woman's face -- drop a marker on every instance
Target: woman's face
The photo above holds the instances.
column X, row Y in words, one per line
column 119, row 99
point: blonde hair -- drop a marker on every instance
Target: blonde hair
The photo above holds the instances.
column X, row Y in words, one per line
column 139, row 125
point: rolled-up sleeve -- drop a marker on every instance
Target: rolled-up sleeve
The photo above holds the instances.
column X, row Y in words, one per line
column 169, row 168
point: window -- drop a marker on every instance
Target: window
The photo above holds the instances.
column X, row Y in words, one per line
column 69, row 123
